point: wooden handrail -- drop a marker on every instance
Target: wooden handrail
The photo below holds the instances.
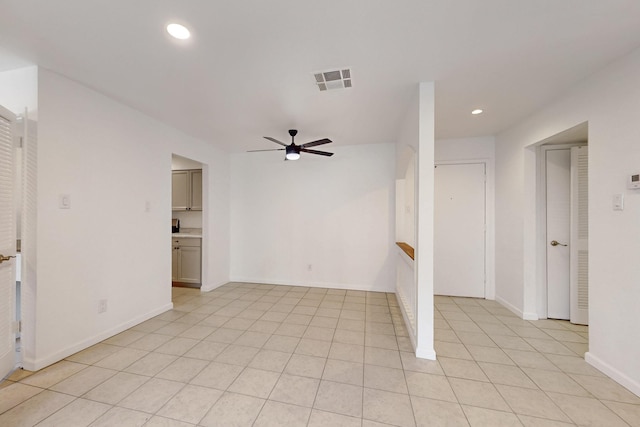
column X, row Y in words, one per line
column 407, row 249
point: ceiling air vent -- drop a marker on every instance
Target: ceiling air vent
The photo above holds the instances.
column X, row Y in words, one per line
column 333, row 79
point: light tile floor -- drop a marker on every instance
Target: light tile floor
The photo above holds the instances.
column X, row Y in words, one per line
column 261, row 355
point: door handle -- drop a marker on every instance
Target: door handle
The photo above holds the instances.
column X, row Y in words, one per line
column 5, row 258
column 556, row 243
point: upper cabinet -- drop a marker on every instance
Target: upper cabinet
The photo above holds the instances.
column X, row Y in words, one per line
column 180, row 190
column 186, row 190
column 196, row 189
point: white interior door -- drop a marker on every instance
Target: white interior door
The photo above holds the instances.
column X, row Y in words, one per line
column 7, row 243
column 558, row 191
column 579, row 265
column 459, row 232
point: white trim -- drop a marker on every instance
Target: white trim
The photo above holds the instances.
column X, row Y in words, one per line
column 516, row 310
column 407, row 323
column 426, row 353
column 43, row 362
column 329, row 285
column 424, row 220
column 209, row 288
column 489, row 215
column 631, row 384
column 405, row 304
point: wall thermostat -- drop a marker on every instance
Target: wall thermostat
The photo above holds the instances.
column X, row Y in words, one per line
column 634, row 181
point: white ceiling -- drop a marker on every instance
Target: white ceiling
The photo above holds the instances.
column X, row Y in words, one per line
column 247, row 71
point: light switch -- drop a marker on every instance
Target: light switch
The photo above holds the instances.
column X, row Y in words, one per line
column 64, row 201
column 618, row 202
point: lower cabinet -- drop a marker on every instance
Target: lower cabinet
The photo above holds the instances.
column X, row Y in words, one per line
column 186, row 260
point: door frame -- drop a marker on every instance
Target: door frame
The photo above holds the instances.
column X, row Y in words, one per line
column 541, row 214
column 489, row 215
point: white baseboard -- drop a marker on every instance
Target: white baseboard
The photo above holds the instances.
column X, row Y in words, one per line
column 426, row 353
column 624, row 380
column 211, row 287
column 348, row 286
column 43, row 362
column 407, row 323
column 509, row 306
column 516, row 310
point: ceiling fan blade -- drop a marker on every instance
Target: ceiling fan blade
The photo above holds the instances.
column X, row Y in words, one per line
column 314, row 143
column 272, row 149
column 275, row 140
column 322, row 153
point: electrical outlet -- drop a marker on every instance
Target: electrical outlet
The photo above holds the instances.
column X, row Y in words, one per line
column 102, row 306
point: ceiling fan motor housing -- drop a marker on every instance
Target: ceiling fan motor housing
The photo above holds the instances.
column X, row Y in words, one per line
column 293, row 149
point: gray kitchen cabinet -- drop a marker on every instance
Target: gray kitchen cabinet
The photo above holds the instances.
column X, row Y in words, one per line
column 186, row 190
column 174, row 262
column 186, row 260
column 196, row 189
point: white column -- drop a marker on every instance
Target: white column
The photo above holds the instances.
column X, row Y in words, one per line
column 424, row 246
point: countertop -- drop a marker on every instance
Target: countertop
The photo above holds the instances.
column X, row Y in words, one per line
column 195, row 233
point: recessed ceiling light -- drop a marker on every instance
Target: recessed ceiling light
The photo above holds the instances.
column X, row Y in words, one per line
column 178, row 31
column 477, row 111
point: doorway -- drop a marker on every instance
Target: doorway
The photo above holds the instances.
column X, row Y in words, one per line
column 187, row 205
column 8, row 239
column 563, row 246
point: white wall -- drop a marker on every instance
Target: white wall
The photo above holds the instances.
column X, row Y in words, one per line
column 19, row 90
column 465, row 149
column 405, row 205
column 111, row 160
column 336, row 214
column 609, row 101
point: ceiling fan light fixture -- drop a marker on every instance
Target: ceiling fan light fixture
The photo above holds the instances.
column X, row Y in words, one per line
column 293, row 152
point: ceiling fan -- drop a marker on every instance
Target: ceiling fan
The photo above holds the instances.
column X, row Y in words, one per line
column 292, row 151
